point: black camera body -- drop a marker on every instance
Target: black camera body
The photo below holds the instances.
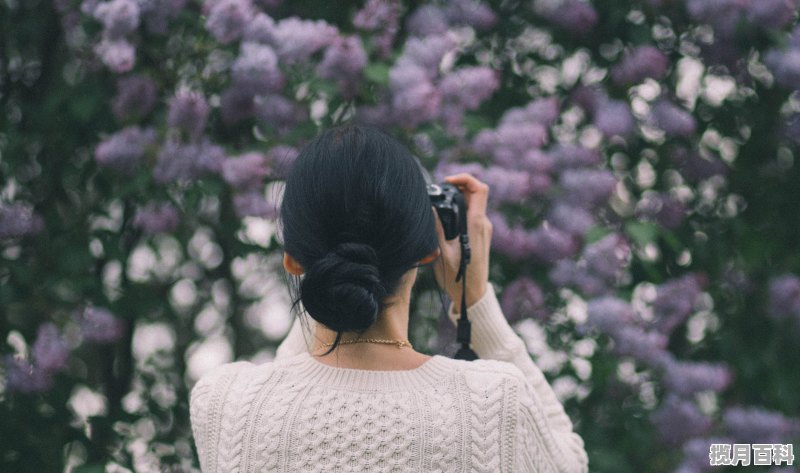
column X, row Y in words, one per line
column 450, row 206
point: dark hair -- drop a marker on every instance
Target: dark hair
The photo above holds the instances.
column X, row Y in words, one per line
column 356, row 215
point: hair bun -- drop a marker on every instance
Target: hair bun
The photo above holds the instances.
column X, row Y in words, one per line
column 343, row 289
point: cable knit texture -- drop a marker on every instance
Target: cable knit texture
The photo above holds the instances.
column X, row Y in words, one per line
column 295, row 414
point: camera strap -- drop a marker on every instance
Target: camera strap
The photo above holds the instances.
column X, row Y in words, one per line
column 463, row 334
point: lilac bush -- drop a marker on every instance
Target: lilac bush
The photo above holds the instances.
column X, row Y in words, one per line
column 641, row 160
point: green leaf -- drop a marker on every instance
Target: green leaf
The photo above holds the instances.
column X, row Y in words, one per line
column 596, row 233
column 378, row 73
column 642, row 232
column 90, row 469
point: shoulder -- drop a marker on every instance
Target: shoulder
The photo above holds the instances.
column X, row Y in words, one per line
column 481, row 373
column 211, row 379
column 236, row 375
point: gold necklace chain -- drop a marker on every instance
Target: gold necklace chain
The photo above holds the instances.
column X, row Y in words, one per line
column 399, row 343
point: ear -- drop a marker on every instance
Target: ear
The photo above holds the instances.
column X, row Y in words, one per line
column 430, row 257
column 291, row 265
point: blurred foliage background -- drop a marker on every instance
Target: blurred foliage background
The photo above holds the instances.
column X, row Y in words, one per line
column 644, row 200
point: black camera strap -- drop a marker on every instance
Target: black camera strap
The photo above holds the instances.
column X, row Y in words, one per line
column 463, row 335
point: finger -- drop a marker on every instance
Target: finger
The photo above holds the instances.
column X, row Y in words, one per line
column 476, row 195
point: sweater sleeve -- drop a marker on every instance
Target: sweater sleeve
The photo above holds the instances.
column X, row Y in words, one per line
column 298, row 340
column 205, row 404
column 541, row 415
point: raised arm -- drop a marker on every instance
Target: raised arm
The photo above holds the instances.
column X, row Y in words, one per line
column 541, row 414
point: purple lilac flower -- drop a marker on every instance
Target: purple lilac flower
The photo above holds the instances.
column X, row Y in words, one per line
column 259, row 29
column 417, row 104
column 123, row 150
column 87, row 6
column 536, row 161
column 446, row 168
column 380, row 115
column 676, row 420
column 157, row 217
column 256, row 69
column 344, row 61
column 186, row 162
column 18, row 219
column 566, row 156
column 252, row 203
column 773, row 14
column 587, row 187
column 428, row 52
column 507, row 185
column 663, row 208
column 570, row 273
column 685, row 378
column 279, row 112
column 675, row 301
column 280, row 159
column 784, row 296
column 570, row 218
column 468, row 87
column 383, row 15
column 156, row 13
column 119, row 17
column 721, row 14
column 614, row 118
column 544, row 111
column 644, row 346
column 575, row 16
column 758, row 425
column 785, row 66
column 673, row 119
column 374, row 15
column 427, row 20
column 588, row 97
column 470, row 12
column 23, row 377
column 188, row 111
column 609, row 314
column 99, row 325
column 598, row 269
column 794, row 38
column 246, row 171
column 723, row 53
column 228, row 19
column 236, row 104
column 607, row 257
column 522, row 299
column 514, row 241
column 136, row 97
column 696, row 167
column 50, row 350
column 509, row 143
column 296, row 39
column 118, row 55
column 696, row 451
column 551, row 244
column 639, row 64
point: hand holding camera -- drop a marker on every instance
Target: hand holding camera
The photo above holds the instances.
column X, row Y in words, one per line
column 479, row 229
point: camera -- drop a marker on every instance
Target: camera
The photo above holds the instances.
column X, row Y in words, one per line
column 450, row 206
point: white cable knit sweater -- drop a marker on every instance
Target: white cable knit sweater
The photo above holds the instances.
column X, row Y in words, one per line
column 295, row 414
